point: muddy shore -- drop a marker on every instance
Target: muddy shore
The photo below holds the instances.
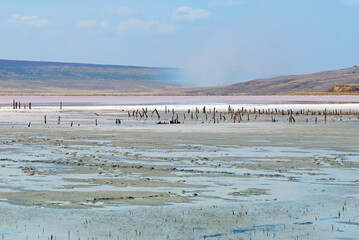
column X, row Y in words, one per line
column 256, row 179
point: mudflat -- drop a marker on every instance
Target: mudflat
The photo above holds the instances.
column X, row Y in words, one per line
column 251, row 178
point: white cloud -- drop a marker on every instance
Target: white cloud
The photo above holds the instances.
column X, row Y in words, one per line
column 92, row 24
column 188, row 13
column 33, row 21
column 138, row 25
column 226, row 2
column 351, row 2
column 121, row 10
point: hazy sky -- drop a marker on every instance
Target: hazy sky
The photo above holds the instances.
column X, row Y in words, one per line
column 212, row 38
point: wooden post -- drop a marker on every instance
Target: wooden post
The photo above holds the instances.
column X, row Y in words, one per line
column 325, row 115
column 45, row 119
column 214, row 115
column 144, row 112
column 58, row 120
column 61, row 105
column 158, row 115
column 72, row 123
column 29, row 105
column 29, row 124
column 96, row 122
column 13, row 103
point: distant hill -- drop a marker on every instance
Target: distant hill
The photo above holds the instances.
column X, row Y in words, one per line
column 30, row 77
column 51, row 78
column 307, row 83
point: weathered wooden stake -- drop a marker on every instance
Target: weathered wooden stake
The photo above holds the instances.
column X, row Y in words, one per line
column 58, row 120
column 144, row 112
column 61, row 105
column 158, row 115
column 325, row 115
column 45, row 119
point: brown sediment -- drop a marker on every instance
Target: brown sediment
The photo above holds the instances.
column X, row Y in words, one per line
column 75, row 199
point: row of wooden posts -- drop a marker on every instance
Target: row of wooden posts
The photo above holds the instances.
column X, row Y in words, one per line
column 239, row 114
column 17, row 105
column 143, row 113
column 215, row 116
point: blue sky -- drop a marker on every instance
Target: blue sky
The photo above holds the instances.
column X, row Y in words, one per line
column 213, row 39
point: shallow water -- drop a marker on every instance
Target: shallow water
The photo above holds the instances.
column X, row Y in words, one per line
column 256, row 179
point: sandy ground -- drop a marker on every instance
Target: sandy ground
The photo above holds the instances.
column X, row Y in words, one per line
column 257, row 179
